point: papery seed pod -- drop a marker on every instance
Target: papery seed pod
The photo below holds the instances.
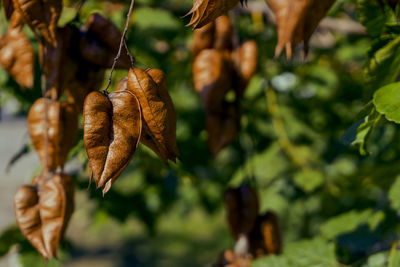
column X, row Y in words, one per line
column 41, row 15
column 212, row 72
column 203, row 38
column 265, row 237
column 242, row 209
column 206, row 11
column 52, row 126
column 223, row 33
column 228, row 259
column 43, row 211
column 157, row 110
column 17, row 56
column 245, row 60
column 100, row 43
column 112, row 128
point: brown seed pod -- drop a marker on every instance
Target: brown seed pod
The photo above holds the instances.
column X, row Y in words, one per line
column 265, row 237
column 112, row 128
column 17, row 56
column 245, row 60
column 212, row 75
column 53, row 126
column 242, row 209
column 203, row 38
column 223, row 33
column 41, row 15
column 206, row 11
column 158, row 112
column 228, row 259
column 100, row 43
column 8, row 8
column 43, row 211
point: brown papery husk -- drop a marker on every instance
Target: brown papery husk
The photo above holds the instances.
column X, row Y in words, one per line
column 203, row 38
column 157, row 109
column 245, row 59
column 17, row 56
column 223, row 33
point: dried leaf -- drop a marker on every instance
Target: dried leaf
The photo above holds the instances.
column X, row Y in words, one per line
column 17, row 56
column 206, row 11
column 43, row 211
column 42, row 15
column 265, row 237
column 212, row 75
column 53, row 126
column 100, row 43
column 112, row 128
column 242, row 209
column 159, row 117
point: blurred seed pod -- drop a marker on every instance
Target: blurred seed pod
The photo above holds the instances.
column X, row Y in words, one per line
column 159, row 117
column 223, row 33
column 41, row 15
column 206, row 11
column 17, row 56
column 203, row 38
column 43, row 211
column 266, row 237
column 53, row 127
column 228, row 259
column 242, row 209
column 112, row 129
column 245, row 59
column 100, row 43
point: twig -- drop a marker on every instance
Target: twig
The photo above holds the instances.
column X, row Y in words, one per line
column 122, row 43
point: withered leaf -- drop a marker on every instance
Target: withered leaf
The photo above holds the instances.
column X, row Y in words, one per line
column 53, row 127
column 265, row 237
column 42, row 15
column 242, row 209
column 206, row 11
column 100, row 43
column 212, row 75
column 41, row 212
column 112, row 128
column 159, row 117
column 17, row 56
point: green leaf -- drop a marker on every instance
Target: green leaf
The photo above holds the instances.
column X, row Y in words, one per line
column 394, row 194
column 308, row 180
column 387, row 101
column 384, row 66
column 350, row 221
column 373, row 17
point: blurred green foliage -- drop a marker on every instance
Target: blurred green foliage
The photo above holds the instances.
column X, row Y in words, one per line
column 335, row 204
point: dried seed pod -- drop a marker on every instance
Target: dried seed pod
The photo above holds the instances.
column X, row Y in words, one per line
column 203, row 38
column 17, row 56
column 100, row 43
column 212, row 75
column 265, row 237
column 223, row 33
column 53, row 126
column 8, row 8
column 242, row 209
column 157, row 110
column 41, row 15
column 228, row 259
column 206, row 11
column 112, row 128
column 245, row 60
column 43, row 211
column 222, row 126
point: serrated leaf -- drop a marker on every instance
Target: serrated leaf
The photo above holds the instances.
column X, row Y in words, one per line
column 350, row 221
column 308, row 180
column 394, row 194
column 387, row 101
column 384, row 66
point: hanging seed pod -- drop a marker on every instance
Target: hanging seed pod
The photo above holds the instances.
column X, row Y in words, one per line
column 228, row 259
column 43, row 211
column 265, row 237
column 206, row 11
column 100, row 43
column 112, row 128
column 245, row 59
column 17, row 56
column 41, row 15
column 158, row 112
column 212, row 75
column 223, row 33
column 242, row 209
column 52, row 126
column 203, row 38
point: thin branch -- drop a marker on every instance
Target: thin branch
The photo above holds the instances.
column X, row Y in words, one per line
column 122, row 43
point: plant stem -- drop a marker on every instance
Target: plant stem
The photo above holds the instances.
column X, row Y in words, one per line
column 121, row 44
